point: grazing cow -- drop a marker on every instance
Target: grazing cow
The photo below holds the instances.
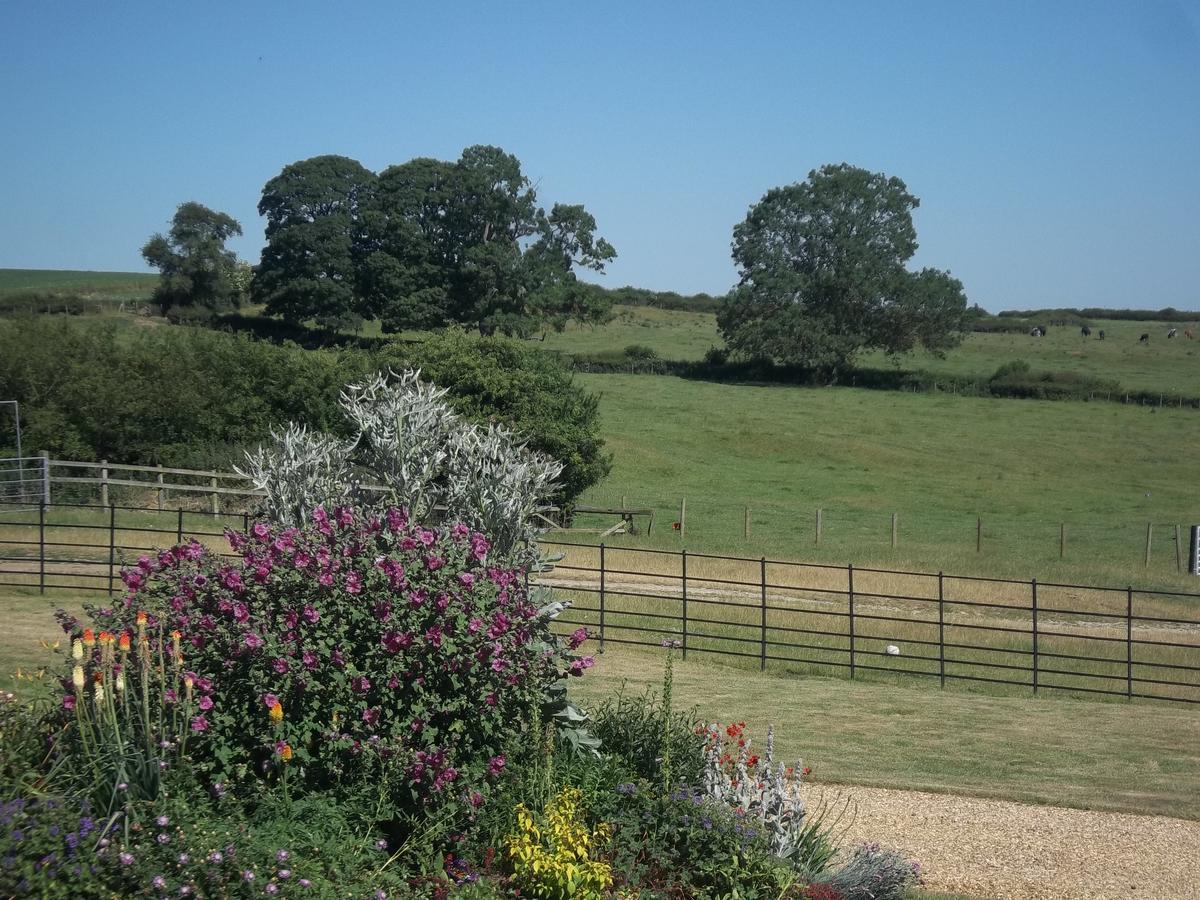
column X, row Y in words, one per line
column 1101, row 334
column 1144, row 339
column 1172, row 333
column 1189, row 334
column 1086, row 332
column 1036, row 332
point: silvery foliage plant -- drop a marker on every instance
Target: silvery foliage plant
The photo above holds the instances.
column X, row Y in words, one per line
column 766, row 792
column 410, row 449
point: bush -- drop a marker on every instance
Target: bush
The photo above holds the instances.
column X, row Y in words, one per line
column 631, row 730
column 351, row 651
column 640, row 352
column 875, row 873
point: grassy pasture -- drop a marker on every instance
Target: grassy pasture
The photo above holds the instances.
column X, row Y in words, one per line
column 109, row 285
column 1172, row 367
column 938, row 461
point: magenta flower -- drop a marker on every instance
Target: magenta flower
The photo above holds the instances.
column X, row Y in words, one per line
column 199, row 724
column 433, row 562
column 280, row 665
column 309, row 659
column 395, row 641
column 253, row 641
column 496, row 765
column 577, row 637
column 370, row 716
column 360, row 683
column 269, row 700
column 311, row 615
column 353, row 583
column 261, row 530
column 205, row 703
column 68, row 701
column 466, row 579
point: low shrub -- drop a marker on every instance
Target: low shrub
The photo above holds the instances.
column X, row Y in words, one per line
column 631, row 729
column 875, row 873
column 355, row 650
column 639, row 352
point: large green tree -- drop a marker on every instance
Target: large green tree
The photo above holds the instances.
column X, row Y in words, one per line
column 309, row 267
column 427, row 244
column 823, row 275
column 197, row 270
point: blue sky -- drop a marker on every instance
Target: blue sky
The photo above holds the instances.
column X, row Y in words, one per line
column 1055, row 146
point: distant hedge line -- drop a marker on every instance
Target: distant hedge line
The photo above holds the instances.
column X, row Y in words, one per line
column 1169, row 314
column 193, row 397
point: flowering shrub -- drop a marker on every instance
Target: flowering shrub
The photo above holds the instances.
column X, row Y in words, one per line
column 354, row 646
column 767, row 793
column 46, row 847
column 554, row 860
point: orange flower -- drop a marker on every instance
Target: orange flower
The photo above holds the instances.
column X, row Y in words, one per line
column 123, row 643
column 106, row 637
column 276, row 713
column 89, row 637
column 141, row 620
column 285, row 752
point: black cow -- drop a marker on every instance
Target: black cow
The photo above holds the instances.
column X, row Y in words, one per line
column 1101, row 334
column 1144, row 339
column 1086, row 332
column 1172, row 333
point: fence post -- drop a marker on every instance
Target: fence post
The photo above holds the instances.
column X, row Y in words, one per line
column 179, row 528
column 1033, row 585
column 160, row 488
column 850, row 594
column 818, row 531
column 602, row 596
column 1129, row 643
column 245, row 523
column 1062, row 539
column 941, row 632
column 42, row 547
column 894, row 515
column 683, row 580
column 1149, row 539
column 46, row 475
column 104, row 482
column 112, row 545
column 762, row 660
column 1178, row 552
column 216, row 511
column 979, row 534
column 746, row 525
column 682, row 517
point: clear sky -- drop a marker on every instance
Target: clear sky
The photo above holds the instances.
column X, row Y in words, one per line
column 1055, row 146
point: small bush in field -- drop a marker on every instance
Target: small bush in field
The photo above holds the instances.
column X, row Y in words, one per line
column 875, row 873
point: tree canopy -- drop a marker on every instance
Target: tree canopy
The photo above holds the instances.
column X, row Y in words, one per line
column 823, row 277
column 197, row 270
column 426, row 244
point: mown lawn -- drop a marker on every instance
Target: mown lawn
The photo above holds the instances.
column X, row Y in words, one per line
column 1135, row 757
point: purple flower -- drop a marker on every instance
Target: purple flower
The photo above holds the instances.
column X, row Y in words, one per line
column 353, row 583
column 280, row 665
column 311, row 615
column 68, row 701
column 282, row 855
column 205, row 703
column 304, row 882
column 159, row 882
column 325, row 579
column 261, row 530
column 381, row 845
column 216, row 857
column 269, row 700
column 578, row 636
column 309, row 659
column 284, row 874
column 496, row 765
column 360, row 683
column 271, row 888
column 426, row 537
column 253, row 641
column 163, row 838
column 126, row 859
column 199, row 724
column 162, row 821
column 466, row 579
column 247, row 875
column 370, row 716
column 395, row 641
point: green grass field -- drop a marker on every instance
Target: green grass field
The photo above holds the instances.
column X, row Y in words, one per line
column 1172, row 367
column 939, row 462
column 115, row 285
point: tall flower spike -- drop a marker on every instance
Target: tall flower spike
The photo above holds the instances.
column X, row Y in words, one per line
column 77, row 649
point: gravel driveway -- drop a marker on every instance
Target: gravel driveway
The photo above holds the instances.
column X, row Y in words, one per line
column 995, row 848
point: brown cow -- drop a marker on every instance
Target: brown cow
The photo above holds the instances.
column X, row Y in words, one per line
column 1189, row 334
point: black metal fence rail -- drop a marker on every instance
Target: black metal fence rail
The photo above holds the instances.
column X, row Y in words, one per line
column 1025, row 635
column 1020, row 635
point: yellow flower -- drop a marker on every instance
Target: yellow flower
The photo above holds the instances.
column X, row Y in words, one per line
column 285, row 753
column 77, row 679
column 77, row 649
column 119, row 683
column 99, row 691
column 276, row 713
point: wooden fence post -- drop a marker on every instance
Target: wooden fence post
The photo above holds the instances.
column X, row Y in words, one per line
column 1149, row 540
column 979, row 534
column 179, row 528
column 894, row 535
column 104, row 482
column 818, row 528
column 682, row 517
column 160, row 488
column 1178, row 552
column 683, row 583
column 46, row 476
column 216, row 510
column 1062, row 539
column 746, row 525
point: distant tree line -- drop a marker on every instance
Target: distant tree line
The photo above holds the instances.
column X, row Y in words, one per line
column 1169, row 314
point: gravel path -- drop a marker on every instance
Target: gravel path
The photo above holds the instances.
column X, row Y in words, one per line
column 995, row 848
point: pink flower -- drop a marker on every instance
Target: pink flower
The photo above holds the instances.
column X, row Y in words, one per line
column 459, row 531
column 360, row 683
column 205, row 703
column 426, row 537
column 68, row 701
column 578, row 636
column 280, row 665
column 261, row 530
column 353, row 583
column 496, row 765
column 270, row 700
column 396, row 519
column 253, row 641
column 326, row 579
column 370, row 716
column 311, row 615
column 433, row 562
column 199, row 724
column 395, row 641
column 466, row 579
column 309, row 659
